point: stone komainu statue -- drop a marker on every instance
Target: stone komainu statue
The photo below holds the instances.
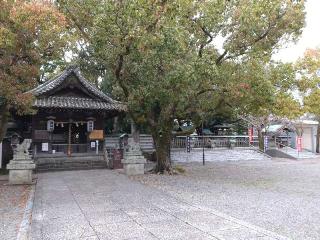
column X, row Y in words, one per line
column 21, row 151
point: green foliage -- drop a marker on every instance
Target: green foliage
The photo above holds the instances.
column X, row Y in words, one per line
column 286, row 106
column 308, row 80
column 163, row 57
column 311, row 102
column 31, row 36
column 264, row 89
column 307, row 69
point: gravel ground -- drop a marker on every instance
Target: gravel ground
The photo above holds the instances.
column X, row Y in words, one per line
column 12, row 204
column 107, row 205
column 279, row 195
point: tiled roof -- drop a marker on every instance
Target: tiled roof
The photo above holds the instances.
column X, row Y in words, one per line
column 77, row 103
column 101, row 100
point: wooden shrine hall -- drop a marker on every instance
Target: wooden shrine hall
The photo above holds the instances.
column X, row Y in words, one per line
column 70, row 118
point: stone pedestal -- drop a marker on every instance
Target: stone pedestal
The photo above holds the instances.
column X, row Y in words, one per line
column 133, row 159
column 20, row 171
column 21, row 166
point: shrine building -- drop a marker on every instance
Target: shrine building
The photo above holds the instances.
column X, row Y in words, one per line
column 70, row 118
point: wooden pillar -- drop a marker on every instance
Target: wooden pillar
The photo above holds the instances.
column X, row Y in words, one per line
column 69, row 139
column 50, row 143
column 104, row 148
column 33, row 128
column 115, row 124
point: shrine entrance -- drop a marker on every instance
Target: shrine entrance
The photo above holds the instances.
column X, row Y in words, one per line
column 78, row 133
column 69, row 137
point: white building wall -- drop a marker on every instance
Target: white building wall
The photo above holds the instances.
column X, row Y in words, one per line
column 307, row 138
column 309, row 134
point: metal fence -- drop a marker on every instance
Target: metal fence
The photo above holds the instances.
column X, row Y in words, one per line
column 146, row 142
column 207, row 141
column 213, row 141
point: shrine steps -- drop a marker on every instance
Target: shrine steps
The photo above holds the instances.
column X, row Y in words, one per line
column 70, row 163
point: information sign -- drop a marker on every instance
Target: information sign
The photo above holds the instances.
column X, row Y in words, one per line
column 45, row 147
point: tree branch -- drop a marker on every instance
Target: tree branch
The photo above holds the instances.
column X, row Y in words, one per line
column 119, row 68
column 74, row 20
column 209, row 35
column 243, row 49
column 151, row 26
column 203, row 91
column 219, row 60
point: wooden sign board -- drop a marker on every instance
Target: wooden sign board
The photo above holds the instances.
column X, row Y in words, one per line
column 41, row 135
column 96, row 135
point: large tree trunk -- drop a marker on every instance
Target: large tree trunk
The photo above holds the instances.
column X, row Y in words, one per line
column 317, row 139
column 162, row 145
column 4, row 116
column 261, row 140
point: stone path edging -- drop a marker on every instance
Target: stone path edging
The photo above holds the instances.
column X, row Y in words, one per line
column 25, row 226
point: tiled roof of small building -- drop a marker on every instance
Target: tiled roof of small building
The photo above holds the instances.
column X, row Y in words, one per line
column 100, row 102
column 76, row 103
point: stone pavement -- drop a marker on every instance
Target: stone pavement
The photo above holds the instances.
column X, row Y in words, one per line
column 105, row 204
column 13, row 201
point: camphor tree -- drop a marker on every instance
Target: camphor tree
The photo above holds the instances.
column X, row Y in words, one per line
column 308, row 77
column 173, row 59
column 265, row 95
column 31, row 36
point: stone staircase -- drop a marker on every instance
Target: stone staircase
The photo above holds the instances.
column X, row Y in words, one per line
column 212, row 155
column 70, row 163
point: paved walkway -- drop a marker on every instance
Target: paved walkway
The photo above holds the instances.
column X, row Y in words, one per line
column 13, row 201
column 105, row 204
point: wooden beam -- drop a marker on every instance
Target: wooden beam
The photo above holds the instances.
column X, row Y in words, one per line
column 69, row 140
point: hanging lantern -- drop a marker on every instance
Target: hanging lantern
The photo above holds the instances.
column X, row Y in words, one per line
column 90, row 126
column 50, row 125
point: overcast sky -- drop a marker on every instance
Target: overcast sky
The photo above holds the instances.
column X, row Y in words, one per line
column 310, row 37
